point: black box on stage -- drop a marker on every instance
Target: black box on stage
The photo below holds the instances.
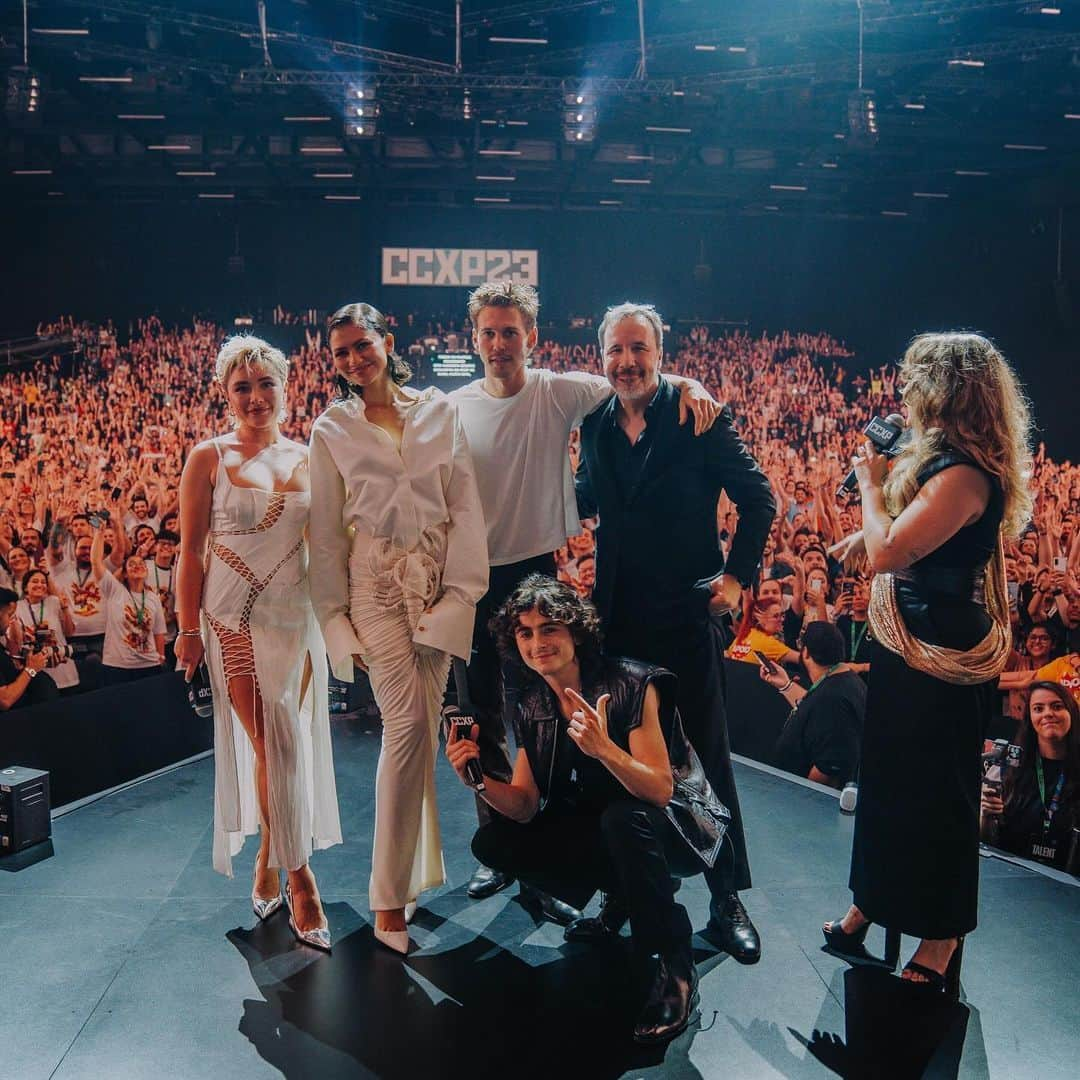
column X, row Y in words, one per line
column 25, row 816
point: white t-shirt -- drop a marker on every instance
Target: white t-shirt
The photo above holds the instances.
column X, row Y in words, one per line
column 129, row 638
column 85, row 596
column 46, row 617
column 162, row 581
column 520, row 452
column 131, row 521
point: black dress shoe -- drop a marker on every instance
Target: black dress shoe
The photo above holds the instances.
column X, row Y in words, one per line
column 604, row 926
column 672, row 999
column 547, row 907
column 486, row 882
column 730, row 928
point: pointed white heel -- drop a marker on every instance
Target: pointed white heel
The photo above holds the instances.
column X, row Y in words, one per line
column 398, row 940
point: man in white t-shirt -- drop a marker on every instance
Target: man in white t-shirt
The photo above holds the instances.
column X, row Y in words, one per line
column 75, row 579
column 161, row 575
column 518, row 421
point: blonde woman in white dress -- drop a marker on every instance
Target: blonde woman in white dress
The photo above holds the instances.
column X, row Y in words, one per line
column 398, row 561
column 243, row 604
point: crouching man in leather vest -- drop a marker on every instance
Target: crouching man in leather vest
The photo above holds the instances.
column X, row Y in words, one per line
column 607, row 792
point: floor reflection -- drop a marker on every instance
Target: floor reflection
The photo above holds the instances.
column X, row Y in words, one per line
column 468, row 1004
column 896, row 1029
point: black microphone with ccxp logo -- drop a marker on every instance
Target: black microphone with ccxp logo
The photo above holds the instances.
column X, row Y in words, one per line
column 889, row 437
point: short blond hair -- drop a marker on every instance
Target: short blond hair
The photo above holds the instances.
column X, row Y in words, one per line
column 505, row 294
column 246, row 350
column 629, row 310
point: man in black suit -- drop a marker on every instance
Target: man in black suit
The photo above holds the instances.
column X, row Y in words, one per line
column 660, row 574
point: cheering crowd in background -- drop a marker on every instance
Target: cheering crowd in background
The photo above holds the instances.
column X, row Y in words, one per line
column 93, row 441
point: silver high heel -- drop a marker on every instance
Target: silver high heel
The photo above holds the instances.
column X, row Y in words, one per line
column 319, row 938
column 265, row 908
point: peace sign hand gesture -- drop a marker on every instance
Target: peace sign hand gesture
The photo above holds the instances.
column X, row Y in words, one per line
column 588, row 726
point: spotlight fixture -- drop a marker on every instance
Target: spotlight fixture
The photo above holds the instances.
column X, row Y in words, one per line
column 862, row 117
column 579, row 117
column 22, row 99
column 361, row 109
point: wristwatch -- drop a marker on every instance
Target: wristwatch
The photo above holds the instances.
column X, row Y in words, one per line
column 31, row 673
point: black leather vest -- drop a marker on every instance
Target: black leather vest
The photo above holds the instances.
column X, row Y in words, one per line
column 695, row 811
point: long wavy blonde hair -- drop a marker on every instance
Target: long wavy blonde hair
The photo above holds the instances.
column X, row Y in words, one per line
column 961, row 392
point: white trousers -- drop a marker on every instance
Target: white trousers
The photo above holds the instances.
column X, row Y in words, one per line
column 389, row 589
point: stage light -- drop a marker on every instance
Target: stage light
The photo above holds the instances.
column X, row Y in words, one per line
column 361, row 109
column 862, row 117
column 579, row 119
column 22, row 100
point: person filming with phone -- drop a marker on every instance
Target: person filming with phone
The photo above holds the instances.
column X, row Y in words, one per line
column 821, row 737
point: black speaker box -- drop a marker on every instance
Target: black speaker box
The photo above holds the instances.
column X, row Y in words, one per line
column 25, row 817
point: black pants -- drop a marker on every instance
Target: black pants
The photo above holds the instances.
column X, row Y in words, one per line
column 495, row 690
column 86, row 652
column 115, row 676
column 694, row 655
column 630, row 849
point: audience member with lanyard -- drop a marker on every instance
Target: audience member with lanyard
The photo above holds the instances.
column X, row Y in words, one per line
column 1039, row 806
column 134, row 621
column 46, row 620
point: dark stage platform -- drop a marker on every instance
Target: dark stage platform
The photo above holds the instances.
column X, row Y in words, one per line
column 125, row 956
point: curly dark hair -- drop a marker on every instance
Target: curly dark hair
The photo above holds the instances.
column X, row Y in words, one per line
column 554, row 601
column 367, row 318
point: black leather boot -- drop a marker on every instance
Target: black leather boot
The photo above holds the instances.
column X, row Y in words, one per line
column 730, row 928
column 548, row 907
column 604, row 926
column 487, row 882
column 672, row 999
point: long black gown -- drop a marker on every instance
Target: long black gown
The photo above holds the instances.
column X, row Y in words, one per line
column 915, row 857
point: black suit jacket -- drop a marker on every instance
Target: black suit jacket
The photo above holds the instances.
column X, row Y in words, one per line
column 661, row 542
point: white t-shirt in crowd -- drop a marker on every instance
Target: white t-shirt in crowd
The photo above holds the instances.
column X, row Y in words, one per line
column 46, row 616
column 162, row 582
column 520, row 452
column 131, row 521
column 85, row 596
column 129, row 638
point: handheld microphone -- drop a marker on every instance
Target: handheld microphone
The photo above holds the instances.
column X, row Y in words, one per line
column 889, row 437
column 460, row 719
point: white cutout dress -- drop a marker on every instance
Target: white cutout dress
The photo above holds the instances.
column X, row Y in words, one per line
column 258, row 620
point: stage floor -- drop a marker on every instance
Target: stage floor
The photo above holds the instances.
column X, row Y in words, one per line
column 126, row 956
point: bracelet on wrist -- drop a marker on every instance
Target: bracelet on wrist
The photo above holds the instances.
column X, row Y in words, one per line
column 189, row 633
column 785, row 689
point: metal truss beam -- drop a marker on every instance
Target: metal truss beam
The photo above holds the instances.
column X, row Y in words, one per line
column 194, row 20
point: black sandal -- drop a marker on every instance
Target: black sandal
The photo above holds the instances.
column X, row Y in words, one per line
column 851, row 947
column 935, row 982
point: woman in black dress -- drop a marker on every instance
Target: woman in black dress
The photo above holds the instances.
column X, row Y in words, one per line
column 939, row 618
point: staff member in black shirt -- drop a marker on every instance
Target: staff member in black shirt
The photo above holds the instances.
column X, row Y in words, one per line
column 26, row 686
column 1040, row 802
column 821, row 737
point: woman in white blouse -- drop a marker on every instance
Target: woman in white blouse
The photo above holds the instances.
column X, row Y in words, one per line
column 398, row 561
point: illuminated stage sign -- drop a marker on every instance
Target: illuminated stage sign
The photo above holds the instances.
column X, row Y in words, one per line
column 459, row 266
column 453, row 367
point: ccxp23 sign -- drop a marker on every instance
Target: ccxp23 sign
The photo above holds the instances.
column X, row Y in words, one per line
column 458, row 266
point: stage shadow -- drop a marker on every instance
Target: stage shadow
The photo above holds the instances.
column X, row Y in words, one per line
column 894, row 1029
column 467, row 1004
